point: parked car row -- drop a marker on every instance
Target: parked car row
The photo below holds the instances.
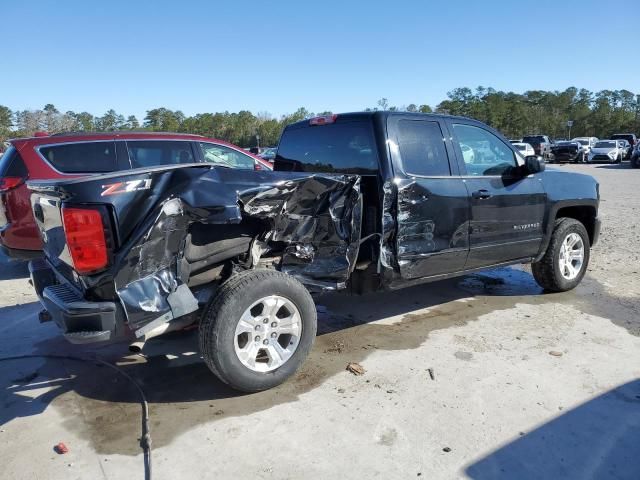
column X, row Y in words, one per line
column 620, row 146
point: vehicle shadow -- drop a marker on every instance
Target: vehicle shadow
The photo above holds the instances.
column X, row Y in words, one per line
column 599, row 439
column 12, row 269
column 182, row 391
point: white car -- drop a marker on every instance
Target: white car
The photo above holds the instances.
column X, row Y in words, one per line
column 525, row 149
column 607, row 151
column 587, row 144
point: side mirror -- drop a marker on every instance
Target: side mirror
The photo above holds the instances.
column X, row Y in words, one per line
column 534, row 164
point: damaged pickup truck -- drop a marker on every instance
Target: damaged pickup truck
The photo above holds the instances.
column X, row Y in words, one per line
column 362, row 201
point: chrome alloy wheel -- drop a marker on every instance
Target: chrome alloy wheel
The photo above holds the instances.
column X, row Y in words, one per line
column 268, row 333
column 571, row 256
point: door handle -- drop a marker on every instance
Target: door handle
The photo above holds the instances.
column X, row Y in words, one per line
column 481, row 194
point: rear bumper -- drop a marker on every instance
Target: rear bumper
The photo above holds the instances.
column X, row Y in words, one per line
column 81, row 321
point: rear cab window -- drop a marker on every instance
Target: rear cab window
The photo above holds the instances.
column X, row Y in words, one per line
column 340, row 147
column 151, row 153
column 82, row 157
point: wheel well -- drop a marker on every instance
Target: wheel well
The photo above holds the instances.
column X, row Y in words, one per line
column 584, row 214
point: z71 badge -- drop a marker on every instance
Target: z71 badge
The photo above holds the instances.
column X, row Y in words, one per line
column 125, row 187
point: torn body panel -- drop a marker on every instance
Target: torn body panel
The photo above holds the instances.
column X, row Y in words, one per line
column 193, row 219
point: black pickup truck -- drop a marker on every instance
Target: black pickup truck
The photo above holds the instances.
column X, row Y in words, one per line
column 359, row 201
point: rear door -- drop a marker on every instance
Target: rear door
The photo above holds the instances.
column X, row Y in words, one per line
column 507, row 208
column 432, row 203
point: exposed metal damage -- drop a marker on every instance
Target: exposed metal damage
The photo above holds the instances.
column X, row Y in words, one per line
column 311, row 223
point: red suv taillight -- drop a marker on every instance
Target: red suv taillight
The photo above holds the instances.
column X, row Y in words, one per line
column 8, row 183
column 85, row 235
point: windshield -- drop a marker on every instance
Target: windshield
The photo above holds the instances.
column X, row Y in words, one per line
column 606, row 145
column 521, row 146
column 582, row 141
column 535, row 139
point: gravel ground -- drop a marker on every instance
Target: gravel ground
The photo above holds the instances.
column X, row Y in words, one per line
column 481, row 377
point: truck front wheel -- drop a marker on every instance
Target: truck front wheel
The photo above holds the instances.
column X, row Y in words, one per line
column 566, row 259
column 258, row 329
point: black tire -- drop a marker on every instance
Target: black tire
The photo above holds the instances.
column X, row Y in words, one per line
column 220, row 318
column 547, row 271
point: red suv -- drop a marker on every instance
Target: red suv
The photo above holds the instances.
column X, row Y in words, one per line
column 69, row 155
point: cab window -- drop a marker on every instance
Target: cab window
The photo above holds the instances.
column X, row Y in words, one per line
column 422, row 149
column 483, row 153
column 225, row 156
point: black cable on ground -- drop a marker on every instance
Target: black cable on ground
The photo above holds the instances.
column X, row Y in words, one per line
column 145, row 438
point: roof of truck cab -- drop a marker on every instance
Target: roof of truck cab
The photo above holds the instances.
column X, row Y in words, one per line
column 355, row 116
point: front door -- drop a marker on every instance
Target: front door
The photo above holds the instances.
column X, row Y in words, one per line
column 507, row 206
column 432, row 203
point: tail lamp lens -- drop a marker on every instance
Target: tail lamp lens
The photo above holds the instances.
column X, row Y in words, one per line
column 84, row 232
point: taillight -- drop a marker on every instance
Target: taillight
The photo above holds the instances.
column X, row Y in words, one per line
column 257, row 166
column 7, row 183
column 323, row 120
column 85, row 235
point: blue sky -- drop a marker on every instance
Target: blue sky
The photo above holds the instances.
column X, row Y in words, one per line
column 203, row 56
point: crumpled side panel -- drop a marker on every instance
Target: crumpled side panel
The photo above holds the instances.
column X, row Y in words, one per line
column 316, row 218
column 319, row 217
column 415, row 233
column 388, row 259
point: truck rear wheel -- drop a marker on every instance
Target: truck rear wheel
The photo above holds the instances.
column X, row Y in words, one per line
column 566, row 259
column 258, row 329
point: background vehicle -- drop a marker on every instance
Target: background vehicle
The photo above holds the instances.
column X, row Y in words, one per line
column 525, row 149
column 346, row 207
column 541, row 145
column 566, row 151
column 586, row 143
column 635, row 157
column 606, row 151
column 72, row 155
column 268, row 154
column 629, row 137
column 625, row 147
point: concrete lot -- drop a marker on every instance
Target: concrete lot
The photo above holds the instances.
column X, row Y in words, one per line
column 499, row 406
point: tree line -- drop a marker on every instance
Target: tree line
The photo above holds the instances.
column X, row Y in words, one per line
column 536, row 111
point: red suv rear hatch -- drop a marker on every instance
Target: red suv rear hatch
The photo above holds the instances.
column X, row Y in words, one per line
column 17, row 230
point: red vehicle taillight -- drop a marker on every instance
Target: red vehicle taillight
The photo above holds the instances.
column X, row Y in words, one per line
column 8, row 183
column 85, row 235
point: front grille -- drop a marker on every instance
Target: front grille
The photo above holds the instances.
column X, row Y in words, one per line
column 601, row 157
